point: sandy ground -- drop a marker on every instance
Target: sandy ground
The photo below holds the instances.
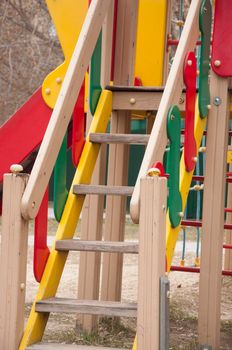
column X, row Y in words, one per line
column 183, row 302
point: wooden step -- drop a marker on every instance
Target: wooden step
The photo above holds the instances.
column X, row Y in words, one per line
column 91, row 307
column 97, row 246
column 100, row 189
column 52, row 346
column 139, row 98
column 132, row 139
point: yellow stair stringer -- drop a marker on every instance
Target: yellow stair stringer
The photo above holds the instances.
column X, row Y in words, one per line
column 50, row 281
column 185, row 183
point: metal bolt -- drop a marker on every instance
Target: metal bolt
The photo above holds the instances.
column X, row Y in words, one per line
column 22, row 286
column 205, row 9
column 209, row 106
column 47, row 91
column 172, row 117
column 16, row 168
column 181, row 214
column 217, row 101
column 190, row 63
column 195, row 159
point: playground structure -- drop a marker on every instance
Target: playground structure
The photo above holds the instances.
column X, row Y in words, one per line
column 128, row 77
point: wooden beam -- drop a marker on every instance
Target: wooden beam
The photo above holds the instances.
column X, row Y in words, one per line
column 92, row 213
column 97, row 246
column 141, row 101
column 132, row 139
column 152, row 236
column 13, row 262
column 119, row 154
column 49, row 346
column 213, row 217
column 62, row 112
column 93, row 307
column 101, row 189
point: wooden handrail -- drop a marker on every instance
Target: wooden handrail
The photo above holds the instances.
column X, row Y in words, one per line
column 172, row 92
column 61, row 115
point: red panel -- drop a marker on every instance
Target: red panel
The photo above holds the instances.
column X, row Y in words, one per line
column 190, row 76
column 23, row 132
column 222, row 39
column 78, row 127
column 41, row 251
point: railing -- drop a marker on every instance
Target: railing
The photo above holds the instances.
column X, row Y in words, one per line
column 62, row 113
column 172, row 92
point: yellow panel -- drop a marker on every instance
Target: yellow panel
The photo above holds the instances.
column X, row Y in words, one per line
column 68, row 17
column 150, row 46
column 229, row 157
column 185, row 183
column 54, row 267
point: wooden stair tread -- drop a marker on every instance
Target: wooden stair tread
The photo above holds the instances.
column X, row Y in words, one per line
column 97, row 246
column 134, row 139
column 91, row 307
column 135, row 88
column 102, row 189
column 54, row 346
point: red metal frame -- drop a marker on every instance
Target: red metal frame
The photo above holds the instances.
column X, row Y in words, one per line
column 196, row 270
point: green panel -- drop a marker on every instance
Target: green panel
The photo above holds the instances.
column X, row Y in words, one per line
column 173, row 165
column 95, row 76
column 60, row 187
column 205, row 22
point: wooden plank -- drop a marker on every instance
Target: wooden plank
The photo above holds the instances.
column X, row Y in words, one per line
column 92, row 213
column 97, row 246
column 13, row 262
column 62, row 112
column 141, row 101
column 213, row 217
column 158, row 140
column 151, row 260
column 132, row 139
column 50, row 346
column 93, row 307
column 102, row 189
column 119, row 154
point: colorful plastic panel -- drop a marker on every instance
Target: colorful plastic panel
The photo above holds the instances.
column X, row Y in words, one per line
column 190, row 76
column 173, row 165
column 222, row 39
column 205, row 22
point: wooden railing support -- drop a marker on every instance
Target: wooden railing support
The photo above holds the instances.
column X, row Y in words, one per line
column 13, row 262
column 152, row 237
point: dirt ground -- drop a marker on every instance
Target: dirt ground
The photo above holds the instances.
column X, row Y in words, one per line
column 183, row 302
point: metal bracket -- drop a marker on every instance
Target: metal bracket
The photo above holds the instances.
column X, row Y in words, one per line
column 164, row 312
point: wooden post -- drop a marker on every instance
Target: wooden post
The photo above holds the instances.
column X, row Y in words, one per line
column 13, row 262
column 92, row 212
column 119, row 154
column 152, row 237
column 228, row 252
column 213, row 216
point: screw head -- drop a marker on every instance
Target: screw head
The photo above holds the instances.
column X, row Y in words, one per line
column 58, row 80
column 189, row 63
column 217, row 101
column 47, row 91
column 217, row 63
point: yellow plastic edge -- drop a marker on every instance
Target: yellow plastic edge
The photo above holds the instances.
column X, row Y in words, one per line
column 150, row 44
column 68, row 17
column 185, row 183
column 37, row 321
